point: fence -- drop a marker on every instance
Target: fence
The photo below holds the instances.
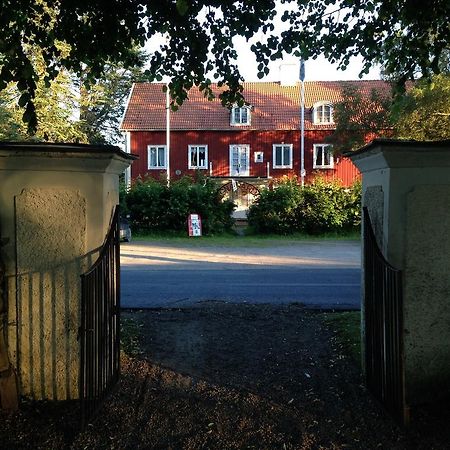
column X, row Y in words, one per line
column 100, row 325
column 384, row 355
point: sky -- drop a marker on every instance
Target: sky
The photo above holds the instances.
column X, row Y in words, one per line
column 315, row 70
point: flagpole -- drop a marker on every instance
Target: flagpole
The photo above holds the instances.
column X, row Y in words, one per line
column 302, row 122
column 168, row 134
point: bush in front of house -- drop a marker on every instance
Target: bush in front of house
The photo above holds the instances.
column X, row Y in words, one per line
column 275, row 210
column 316, row 208
column 329, row 207
column 154, row 206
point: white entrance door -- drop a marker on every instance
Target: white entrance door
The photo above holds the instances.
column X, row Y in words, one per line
column 239, row 160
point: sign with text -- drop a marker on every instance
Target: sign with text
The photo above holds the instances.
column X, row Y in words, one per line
column 194, row 225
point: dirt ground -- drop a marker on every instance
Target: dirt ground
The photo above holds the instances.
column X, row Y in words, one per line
column 223, row 376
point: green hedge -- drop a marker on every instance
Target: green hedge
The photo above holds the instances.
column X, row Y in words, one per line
column 155, row 207
column 316, row 208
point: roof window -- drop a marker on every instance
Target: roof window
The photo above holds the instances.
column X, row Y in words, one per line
column 240, row 115
column 323, row 113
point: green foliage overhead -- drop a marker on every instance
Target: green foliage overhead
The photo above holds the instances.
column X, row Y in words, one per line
column 154, row 206
column 405, row 35
column 424, row 112
column 315, row 208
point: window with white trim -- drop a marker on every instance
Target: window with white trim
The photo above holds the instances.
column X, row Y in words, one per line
column 240, row 115
column 282, row 156
column 157, row 156
column 197, row 156
column 323, row 113
column 323, row 156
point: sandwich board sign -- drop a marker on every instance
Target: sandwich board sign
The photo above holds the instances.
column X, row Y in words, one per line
column 194, row 225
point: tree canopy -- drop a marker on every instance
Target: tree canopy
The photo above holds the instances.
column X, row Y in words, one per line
column 56, row 107
column 102, row 104
column 66, row 109
column 405, row 35
column 360, row 117
column 424, row 112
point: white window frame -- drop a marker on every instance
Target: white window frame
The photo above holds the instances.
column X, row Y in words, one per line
column 197, row 147
column 318, row 113
column 320, row 147
column 241, row 147
column 157, row 167
column 259, row 157
column 283, row 165
column 240, row 123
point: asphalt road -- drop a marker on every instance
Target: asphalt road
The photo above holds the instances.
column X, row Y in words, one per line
column 317, row 274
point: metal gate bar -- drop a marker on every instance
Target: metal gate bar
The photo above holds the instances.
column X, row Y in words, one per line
column 100, row 325
column 384, row 356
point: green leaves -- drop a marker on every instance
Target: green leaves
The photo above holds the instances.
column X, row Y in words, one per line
column 386, row 32
column 361, row 116
column 316, row 208
column 38, row 111
column 182, row 7
column 424, row 112
column 24, row 99
column 30, row 118
column 156, row 207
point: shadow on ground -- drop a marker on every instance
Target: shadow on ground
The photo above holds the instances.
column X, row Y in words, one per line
column 225, row 376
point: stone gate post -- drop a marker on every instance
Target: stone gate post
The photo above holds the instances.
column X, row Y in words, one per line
column 406, row 188
column 56, row 204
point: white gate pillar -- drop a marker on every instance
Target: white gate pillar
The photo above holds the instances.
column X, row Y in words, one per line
column 56, row 204
column 406, row 188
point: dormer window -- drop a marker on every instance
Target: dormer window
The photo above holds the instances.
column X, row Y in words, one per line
column 240, row 115
column 323, row 113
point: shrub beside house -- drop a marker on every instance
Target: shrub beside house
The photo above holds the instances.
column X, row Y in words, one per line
column 319, row 207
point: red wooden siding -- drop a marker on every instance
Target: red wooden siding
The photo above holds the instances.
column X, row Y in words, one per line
column 219, row 142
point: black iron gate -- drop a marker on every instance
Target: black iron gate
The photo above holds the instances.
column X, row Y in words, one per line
column 100, row 325
column 384, row 357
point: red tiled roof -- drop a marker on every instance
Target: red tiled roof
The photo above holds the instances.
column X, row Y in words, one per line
column 274, row 107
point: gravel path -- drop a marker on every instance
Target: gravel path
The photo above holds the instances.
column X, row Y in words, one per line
column 231, row 377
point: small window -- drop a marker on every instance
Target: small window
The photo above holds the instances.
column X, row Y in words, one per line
column 323, row 156
column 282, row 156
column 157, row 157
column 240, row 115
column 259, row 157
column 323, row 113
column 198, row 157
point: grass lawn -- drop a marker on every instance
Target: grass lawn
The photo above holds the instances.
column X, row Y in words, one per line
column 251, row 240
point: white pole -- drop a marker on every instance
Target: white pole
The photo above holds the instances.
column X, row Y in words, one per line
column 302, row 122
column 128, row 169
column 268, row 169
column 168, row 134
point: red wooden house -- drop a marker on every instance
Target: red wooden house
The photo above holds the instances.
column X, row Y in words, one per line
column 254, row 143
